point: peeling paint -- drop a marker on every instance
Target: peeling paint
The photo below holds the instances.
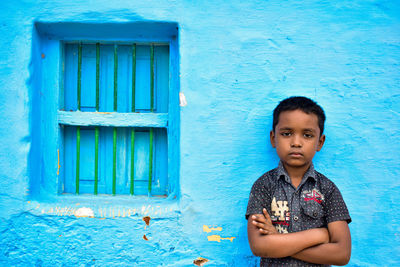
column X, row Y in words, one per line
column 218, row 238
column 145, row 238
column 58, row 163
column 147, row 220
column 108, row 212
column 182, row 100
column 84, row 212
column 208, row 229
column 200, row 261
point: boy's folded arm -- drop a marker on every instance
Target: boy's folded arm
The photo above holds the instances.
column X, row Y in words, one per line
column 336, row 252
column 283, row 245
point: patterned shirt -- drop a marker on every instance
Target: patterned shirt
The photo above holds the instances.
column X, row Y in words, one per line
column 314, row 203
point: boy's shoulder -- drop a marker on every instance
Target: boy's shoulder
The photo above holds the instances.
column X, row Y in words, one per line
column 267, row 179
column 325, row 183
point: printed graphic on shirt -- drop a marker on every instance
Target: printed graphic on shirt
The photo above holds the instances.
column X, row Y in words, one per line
column 280, row 216
column 281, row 229
column 312, row 195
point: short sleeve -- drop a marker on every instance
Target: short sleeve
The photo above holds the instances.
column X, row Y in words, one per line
column 258, row 199
column 335, row 207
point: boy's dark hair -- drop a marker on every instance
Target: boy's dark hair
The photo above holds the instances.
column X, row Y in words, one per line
column 302, row 103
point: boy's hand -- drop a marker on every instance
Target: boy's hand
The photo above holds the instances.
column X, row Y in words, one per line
column 264, row 223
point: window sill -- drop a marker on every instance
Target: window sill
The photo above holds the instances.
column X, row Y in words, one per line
column 104, row 206
column 113, row 119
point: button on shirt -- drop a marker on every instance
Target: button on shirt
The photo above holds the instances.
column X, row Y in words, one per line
column 314, row 203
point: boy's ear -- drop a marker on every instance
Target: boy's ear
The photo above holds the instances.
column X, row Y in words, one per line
column 272, row 138
column 321, row 142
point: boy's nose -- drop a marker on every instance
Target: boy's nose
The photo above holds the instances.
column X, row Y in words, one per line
column 296, row 142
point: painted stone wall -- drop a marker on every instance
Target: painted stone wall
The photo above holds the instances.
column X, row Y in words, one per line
column 237, row 59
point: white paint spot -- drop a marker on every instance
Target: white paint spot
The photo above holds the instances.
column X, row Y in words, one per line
column 84, row 212
column 182, row 100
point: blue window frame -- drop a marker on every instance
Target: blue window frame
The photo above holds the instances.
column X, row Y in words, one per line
column 106, row 109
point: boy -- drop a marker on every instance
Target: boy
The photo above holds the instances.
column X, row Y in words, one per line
column 297, row 216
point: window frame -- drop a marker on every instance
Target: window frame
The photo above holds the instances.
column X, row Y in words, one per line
column 48, row 141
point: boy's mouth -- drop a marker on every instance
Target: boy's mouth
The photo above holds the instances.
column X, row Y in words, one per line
column 295, row 154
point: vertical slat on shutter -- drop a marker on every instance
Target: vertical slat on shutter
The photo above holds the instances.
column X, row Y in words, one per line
column 114, row 181
column 152, row 110
column 132, row 189
column 96, row 160
column 78, row 130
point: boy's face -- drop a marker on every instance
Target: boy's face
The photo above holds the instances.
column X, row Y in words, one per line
column 297, row 138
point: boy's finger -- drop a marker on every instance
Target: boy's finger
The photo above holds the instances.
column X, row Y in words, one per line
column 259, row 218
column 266, row 214
column 265, row 232
column 258, row 225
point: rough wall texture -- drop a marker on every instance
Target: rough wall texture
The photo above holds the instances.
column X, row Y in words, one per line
column 237, row 60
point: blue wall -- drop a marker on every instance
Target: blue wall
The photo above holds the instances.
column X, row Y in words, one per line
column 237, row 59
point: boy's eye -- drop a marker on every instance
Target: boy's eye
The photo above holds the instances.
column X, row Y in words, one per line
column 307, row 135
column 286, row 134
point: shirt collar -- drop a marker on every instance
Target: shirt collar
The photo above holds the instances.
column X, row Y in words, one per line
column 310, row 173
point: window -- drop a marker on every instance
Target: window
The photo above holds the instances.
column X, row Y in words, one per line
column 116, row 112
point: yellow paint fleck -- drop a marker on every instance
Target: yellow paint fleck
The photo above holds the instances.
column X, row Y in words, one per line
column 218, row 238
column 119, row 213
column 77, row 204
column 58, row 163
column 209, row 229
column 43, row 211
column 29, row 202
